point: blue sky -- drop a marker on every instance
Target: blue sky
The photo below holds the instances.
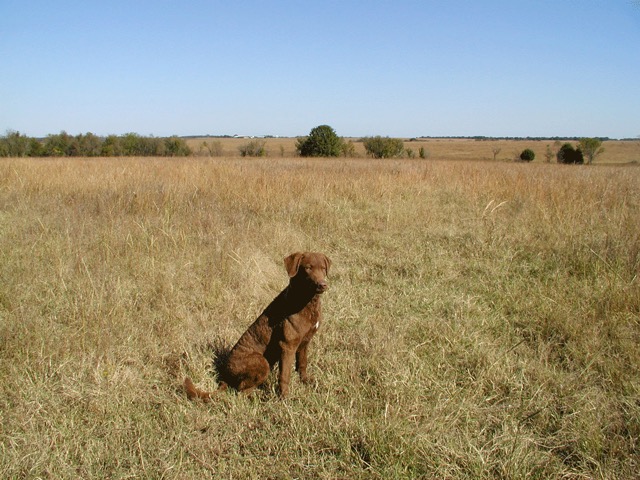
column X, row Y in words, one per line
column 398, row 68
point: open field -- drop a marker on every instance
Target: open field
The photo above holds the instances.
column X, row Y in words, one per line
column 616, row 152
column 483, row 319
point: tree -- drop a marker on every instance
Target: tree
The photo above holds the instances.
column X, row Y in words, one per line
column 570, row 155
column 321, row 142
column 383, row 147
column 130, row 144
column 58, row 145
column 591, row 147
column 88, row 145
column 111, row 147
column 527, row 155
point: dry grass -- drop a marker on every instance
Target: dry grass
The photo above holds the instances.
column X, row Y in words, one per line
column 483, row 320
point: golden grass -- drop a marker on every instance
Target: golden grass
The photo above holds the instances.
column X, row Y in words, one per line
column 482, row 322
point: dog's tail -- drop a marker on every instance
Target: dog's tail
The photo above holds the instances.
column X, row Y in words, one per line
column 194, row 392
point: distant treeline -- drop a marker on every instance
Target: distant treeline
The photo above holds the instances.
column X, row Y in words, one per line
column 15, row 144
column 481, row 138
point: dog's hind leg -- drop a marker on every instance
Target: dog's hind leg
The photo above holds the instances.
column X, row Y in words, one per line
column 255, row 372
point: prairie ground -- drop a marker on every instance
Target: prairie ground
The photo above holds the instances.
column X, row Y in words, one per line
column 483, row 318
column 615, row 151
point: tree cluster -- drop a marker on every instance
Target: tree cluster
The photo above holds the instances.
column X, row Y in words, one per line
column 15, row 144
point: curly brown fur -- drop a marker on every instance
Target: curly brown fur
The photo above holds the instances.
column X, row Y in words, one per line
column 281, row 334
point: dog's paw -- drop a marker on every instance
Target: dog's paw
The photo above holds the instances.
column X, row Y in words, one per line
column 308, row 379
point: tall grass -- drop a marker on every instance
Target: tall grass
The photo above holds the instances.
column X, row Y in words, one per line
column 483, row 319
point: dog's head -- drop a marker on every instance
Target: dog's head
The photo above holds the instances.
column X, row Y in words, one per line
column 308, row 269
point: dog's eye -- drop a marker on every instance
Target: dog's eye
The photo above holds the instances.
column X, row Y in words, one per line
column 307, row 267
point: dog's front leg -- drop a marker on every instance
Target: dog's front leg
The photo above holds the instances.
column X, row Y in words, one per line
column 284, row 375
column 301, row 363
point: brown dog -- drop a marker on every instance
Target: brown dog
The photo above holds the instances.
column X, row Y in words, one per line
column 280, row 334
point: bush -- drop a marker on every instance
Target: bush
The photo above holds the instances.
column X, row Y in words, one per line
column 213, row 149
column 58, row 145
column 176, row 147
column 13, row 144
column 255, row 148
column 111, row 147
column 383, row 147
column 348, row 149
column 569, row 155
column 321, row 142
column 132, row 145
column 88, row 145
column 548, row 154
column 527, row 155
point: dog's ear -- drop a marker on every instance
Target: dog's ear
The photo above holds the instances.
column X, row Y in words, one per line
column 292, row 262
column 327, row 263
